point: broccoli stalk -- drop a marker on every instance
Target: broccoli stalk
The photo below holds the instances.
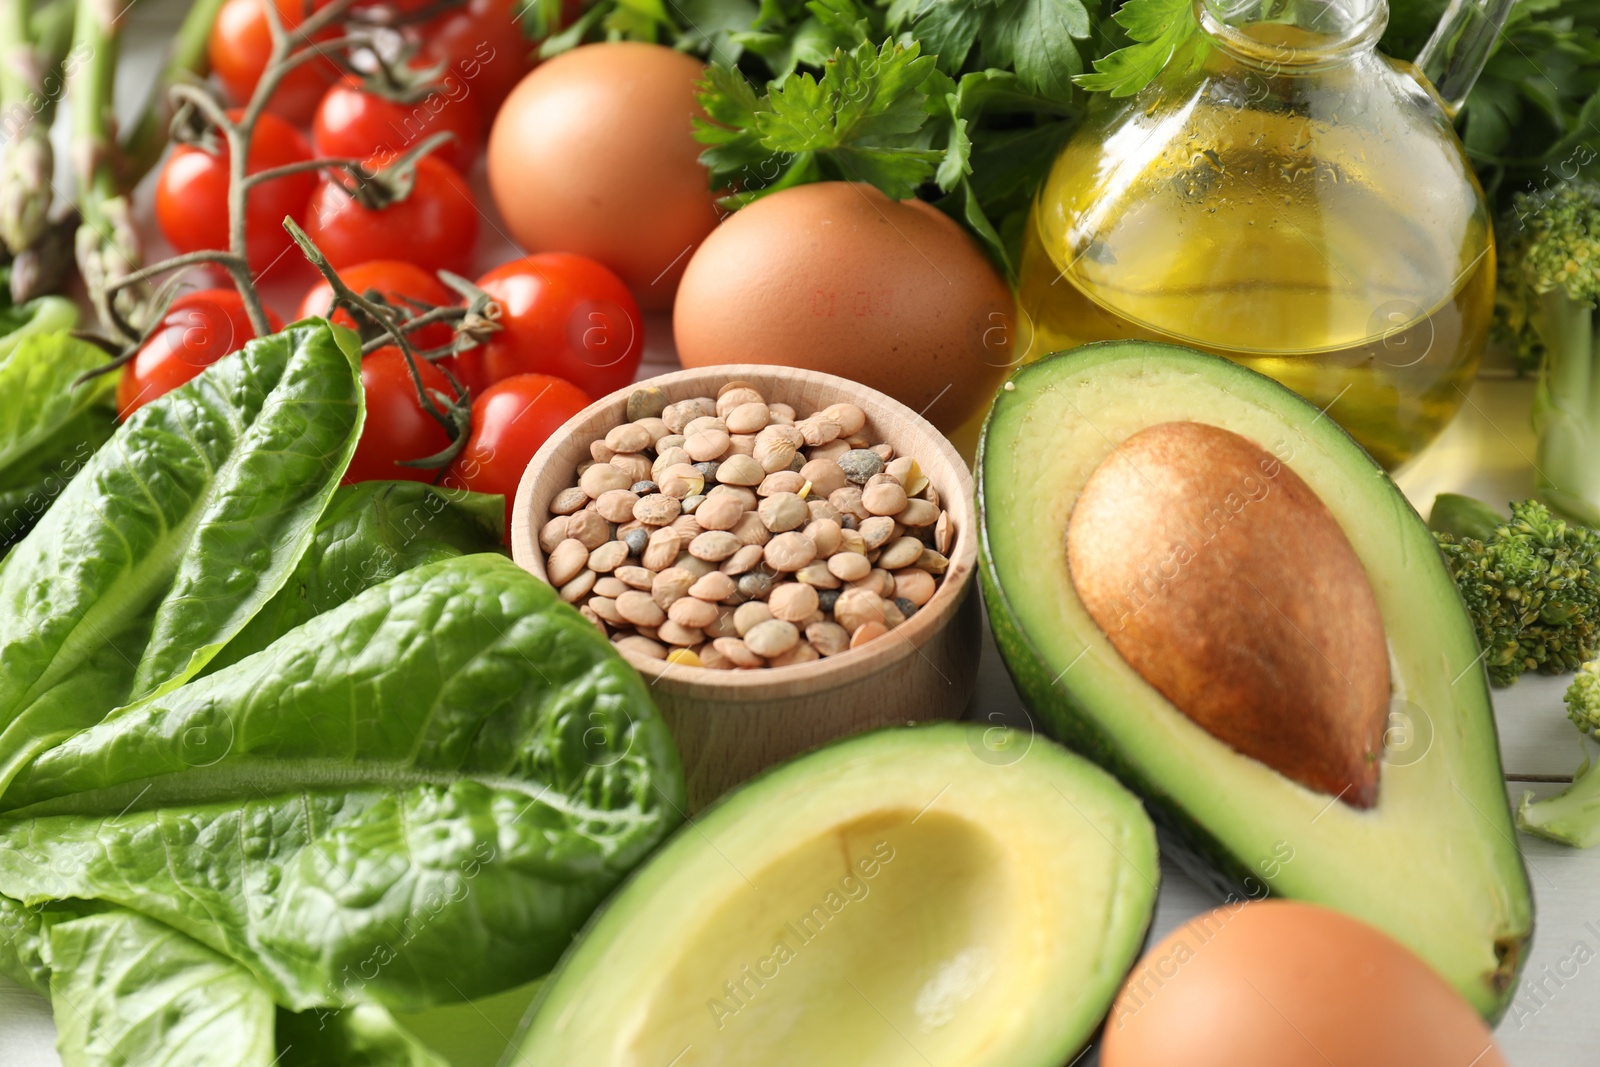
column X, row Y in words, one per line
column 1531, row 585
column 1550, row 282
column 1572, row 816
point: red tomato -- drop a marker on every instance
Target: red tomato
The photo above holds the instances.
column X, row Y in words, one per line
column 483, row 42
column 509, row 423
column 560, row 314
column 198, row 329
column 353, row 121
column 398, row 428
column 394, row 281
column 241, row 44
column 192, row 194
column 435, row 227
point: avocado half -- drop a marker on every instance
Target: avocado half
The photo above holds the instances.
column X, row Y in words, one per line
column 1433, row 860
column 915, row 896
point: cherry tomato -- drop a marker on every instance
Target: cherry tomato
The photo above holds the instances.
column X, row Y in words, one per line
column 483, row 42
column 560, row 314
column 394, row 281
column 198, row 329
column 398, row 428
column 509, row 423
column 192, row 194
column 241, row 44
column 435, row 227
column 354, row 121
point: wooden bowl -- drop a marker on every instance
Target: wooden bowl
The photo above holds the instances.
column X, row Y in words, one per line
column 732, row 724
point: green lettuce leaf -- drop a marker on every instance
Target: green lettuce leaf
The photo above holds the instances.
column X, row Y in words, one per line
column 364, row 1036
column 50, row 425
column 128, row 991
column 45, row 315
column 173, row 535
column 415, row 798
column 371, row 532
column 22, row 947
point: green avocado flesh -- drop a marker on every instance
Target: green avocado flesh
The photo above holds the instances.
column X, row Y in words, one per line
column 903, row 899
column 1434, row 862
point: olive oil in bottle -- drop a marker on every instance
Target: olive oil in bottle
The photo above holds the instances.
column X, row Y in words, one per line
column 1352, row 260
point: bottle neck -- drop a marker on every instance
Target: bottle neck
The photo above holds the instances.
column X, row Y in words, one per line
column 1286, row 36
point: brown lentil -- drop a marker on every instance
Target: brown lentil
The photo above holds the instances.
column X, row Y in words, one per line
column 714, row 532
column 737, row 652
column 692, row 613
column 640, row 645
column 792, row 602
column 608, row 557
column 657, row 509
column 771, row 638
column 742, row 560
column 579, row 587
column 714, row 586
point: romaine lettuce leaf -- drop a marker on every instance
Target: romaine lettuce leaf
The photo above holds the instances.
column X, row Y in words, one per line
column 173, row 535
column 50, row 425
column 22, row 945
column 364, row 1036
column 415, row 798
column 128, row 991
column 371, row 532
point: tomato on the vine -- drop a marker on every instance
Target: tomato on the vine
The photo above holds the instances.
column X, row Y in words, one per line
column 560, row 314
column 198, row 329
column 483, row 42
column 509, row 422
column 435, row 227
column 240, row 46
column 398, row 283
column 192, row 194
column 354, row 121
column 398, row 427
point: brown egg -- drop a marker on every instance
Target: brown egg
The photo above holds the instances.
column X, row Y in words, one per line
column 1285, row 984
column 1223, row 579
column 594, row 153
column 837, row 277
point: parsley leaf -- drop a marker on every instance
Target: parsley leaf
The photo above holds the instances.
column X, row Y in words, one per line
column 863, row 121
column 1158, row 28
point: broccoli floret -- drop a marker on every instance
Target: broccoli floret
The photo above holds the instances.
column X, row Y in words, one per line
column 1583, row 699
column 1572, row 816
column 1549, row 287
column 1532, row 588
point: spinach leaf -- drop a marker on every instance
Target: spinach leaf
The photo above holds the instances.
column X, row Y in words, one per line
column 173, row 535
column 49, row 425
column 415, row 798
column 131, row 992
column 363, row 1036
column 371, row 532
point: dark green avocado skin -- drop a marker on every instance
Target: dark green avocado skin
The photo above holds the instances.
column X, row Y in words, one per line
column 1195, row 849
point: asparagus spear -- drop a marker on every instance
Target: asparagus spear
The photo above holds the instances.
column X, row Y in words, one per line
column 186, row 59
column 32, row 47
column 107, row 243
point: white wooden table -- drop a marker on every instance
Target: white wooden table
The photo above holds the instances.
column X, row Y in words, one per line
column 1555, row 1021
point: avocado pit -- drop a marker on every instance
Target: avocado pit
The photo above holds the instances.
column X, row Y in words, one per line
column 1225, row 582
